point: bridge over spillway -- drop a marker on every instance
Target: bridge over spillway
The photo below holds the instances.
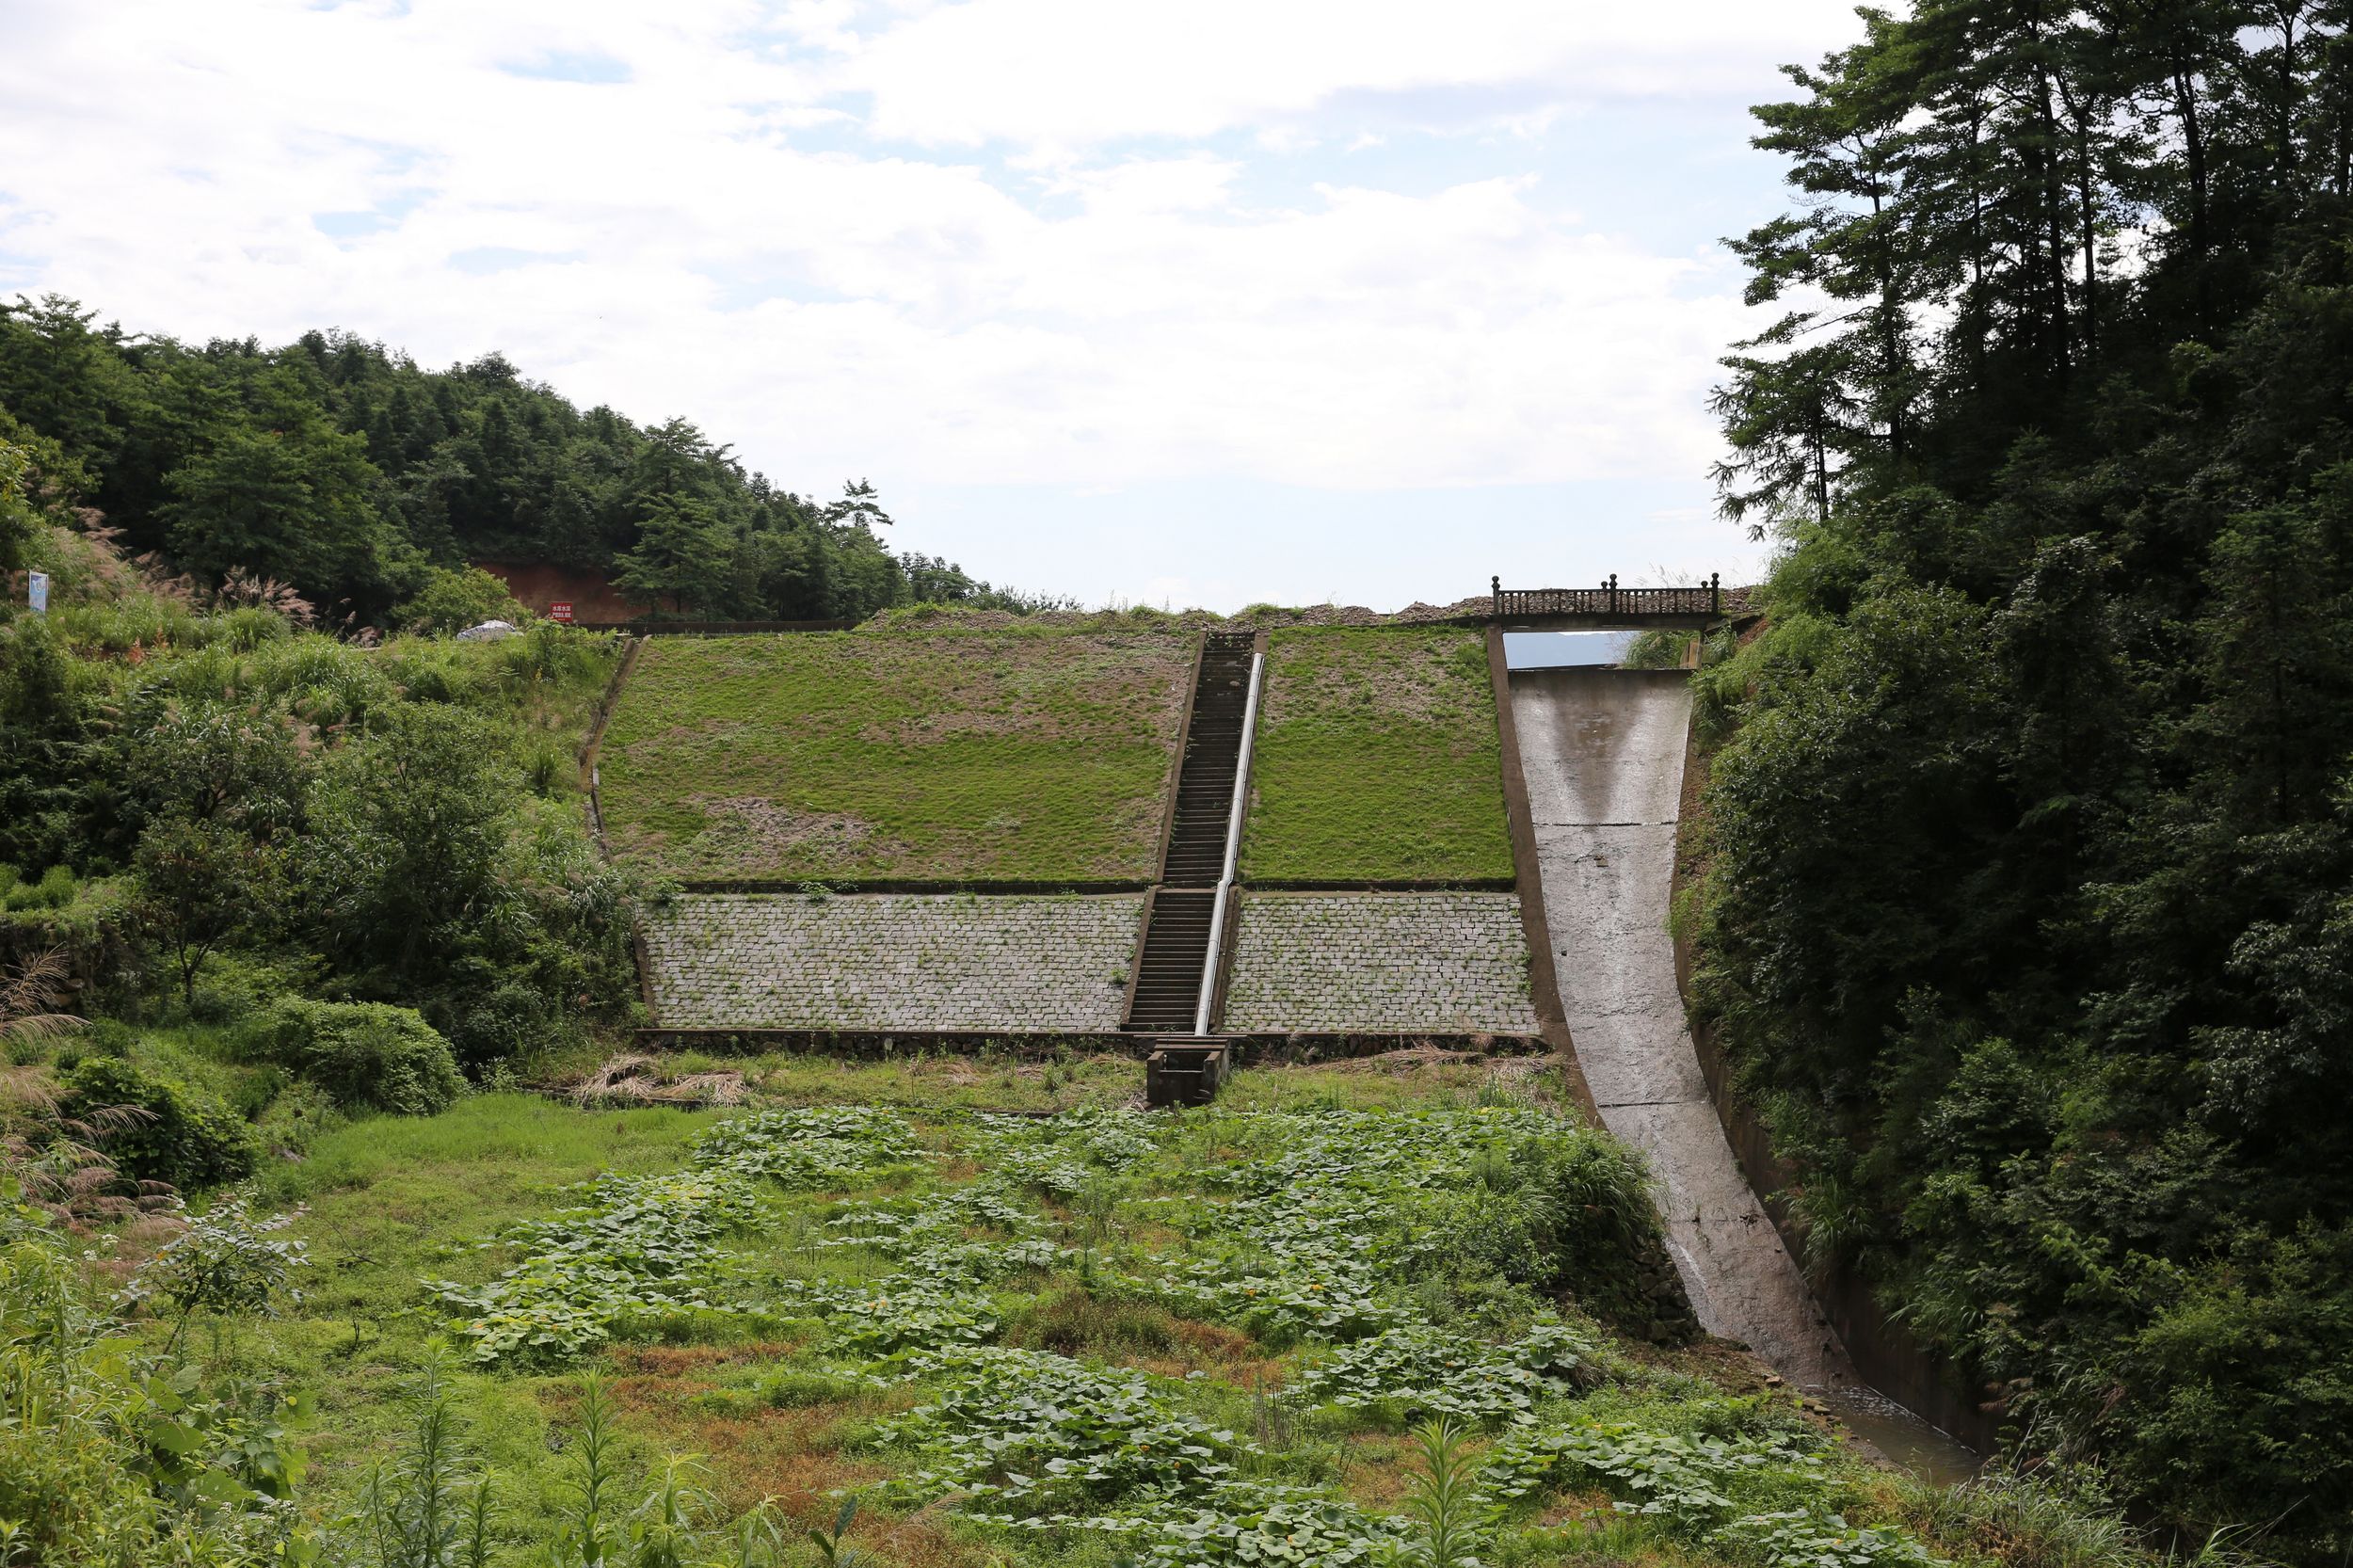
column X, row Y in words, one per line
column 1606, row 606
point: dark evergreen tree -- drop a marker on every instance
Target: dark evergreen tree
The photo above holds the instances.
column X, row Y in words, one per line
column 2025, row 913
column 683, row 557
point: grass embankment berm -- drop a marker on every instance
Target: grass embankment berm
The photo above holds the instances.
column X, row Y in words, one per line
column 1013, row 756
column 1378, row 761
column 1194, row 1339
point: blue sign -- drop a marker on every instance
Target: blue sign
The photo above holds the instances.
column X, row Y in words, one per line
column 37, row 587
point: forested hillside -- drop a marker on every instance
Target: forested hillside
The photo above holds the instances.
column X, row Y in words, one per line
column 338, row 468
column 2030, row 837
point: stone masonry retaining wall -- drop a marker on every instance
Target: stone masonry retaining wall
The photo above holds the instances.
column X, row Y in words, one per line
column 1380, row 963
column 912, row 961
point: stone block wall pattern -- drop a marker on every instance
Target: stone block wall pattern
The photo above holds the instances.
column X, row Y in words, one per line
column 893, row 960
column 1379, row 963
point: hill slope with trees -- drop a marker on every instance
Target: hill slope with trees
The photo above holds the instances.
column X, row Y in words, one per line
column 2026, row 911
column 342, row 470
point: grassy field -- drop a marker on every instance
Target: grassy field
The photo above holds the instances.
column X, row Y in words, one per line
column 1094, row 1336
column 1377, row 760
column 1015, row 756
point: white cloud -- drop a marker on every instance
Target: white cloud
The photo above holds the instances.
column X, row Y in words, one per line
column 726, row 220
column 1079, row 72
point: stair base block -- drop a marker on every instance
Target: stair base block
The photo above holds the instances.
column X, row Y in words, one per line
column 1185, row 1069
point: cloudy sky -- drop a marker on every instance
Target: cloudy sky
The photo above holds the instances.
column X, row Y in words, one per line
column 1231, row 300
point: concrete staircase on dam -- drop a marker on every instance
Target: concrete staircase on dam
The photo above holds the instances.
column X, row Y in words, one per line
column 1194, row 854
column 1166, row 994
column 1182, row 923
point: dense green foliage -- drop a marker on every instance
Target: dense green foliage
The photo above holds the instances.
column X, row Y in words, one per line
column 1061, row 1341
column 2026, row 902
column 985, row 1275
column 399, row 823
column 366, row 1055
column 1025, row 755
column 339, row 469
column 112, row 1454
column 1377, row 760
column 173, row 1132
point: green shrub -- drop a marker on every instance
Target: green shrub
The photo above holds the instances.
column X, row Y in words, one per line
column 450, row 600
column 234, row 988
column 55, row 890
column 1563, row 1210
column 112, row 1455
column 250, row 627
column 251, row 1092
column 81, row 915
column 1072, row 1322
column 301, row 1113
column 104, row 1037
column 547, row 766
column 795, row 1388
column 431, row 882
column 553, row 653
column 175, row 1133
column 364, row 1054
column 496, row 1025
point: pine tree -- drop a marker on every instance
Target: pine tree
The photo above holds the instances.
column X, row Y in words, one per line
column 684, row 554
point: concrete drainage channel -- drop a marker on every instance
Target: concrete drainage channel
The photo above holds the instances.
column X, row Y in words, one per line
column 1602, row 756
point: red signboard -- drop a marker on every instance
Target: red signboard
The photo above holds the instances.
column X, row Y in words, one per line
column 561, row 610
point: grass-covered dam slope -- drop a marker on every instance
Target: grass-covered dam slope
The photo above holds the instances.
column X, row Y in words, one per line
column 963, row 755
column 1378, row 759
column 1091, row 1336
